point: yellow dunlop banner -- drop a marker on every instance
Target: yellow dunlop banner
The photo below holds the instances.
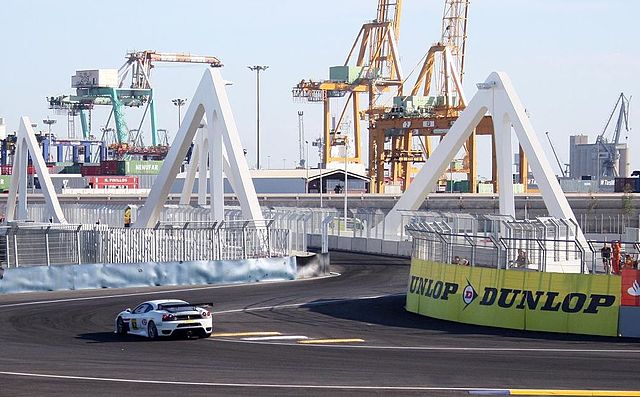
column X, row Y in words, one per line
column 556, row 302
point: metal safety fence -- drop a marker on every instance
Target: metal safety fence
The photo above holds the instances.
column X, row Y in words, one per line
column 47, row 244
column 432, row 242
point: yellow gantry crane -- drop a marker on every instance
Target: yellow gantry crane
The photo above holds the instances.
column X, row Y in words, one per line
column 433, row 105
column 372, row 67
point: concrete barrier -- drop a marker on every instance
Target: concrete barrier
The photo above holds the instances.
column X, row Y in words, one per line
column 312, row 265
column 364, row 245
column 72, row 277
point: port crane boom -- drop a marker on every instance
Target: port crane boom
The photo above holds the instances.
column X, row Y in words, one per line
column 609, row 163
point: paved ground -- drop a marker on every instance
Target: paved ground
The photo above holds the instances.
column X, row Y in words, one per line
column 344, row 335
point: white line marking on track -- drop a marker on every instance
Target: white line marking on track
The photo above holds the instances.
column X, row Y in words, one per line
column 100, row 297
column 280, row 337
column 248, row 385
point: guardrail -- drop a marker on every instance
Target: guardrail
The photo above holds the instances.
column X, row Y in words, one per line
column 45, row 244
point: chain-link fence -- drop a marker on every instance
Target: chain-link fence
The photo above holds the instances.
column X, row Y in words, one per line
column 46, row 244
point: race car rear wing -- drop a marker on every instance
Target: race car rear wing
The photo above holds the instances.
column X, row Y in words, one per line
column 170, row 305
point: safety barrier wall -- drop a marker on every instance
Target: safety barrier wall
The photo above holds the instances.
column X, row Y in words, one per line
column 516, row 299
column 46, row 244
column 364, row 245
column 102, row 275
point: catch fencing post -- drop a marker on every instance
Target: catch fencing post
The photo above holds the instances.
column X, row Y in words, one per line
column 46, row 243
column 15, row 249
column 78, row 245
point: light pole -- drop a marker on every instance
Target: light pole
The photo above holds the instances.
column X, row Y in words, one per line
column 346, row 175
column 258, row 69
column 306, row 190
column 179, row 102
column 49, row 122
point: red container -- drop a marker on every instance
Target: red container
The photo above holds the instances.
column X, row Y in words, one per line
column 8, row 169
column 110, row 167
column 91, row 169
column 113, row 182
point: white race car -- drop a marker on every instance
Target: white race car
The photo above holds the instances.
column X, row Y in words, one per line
column 166, row 317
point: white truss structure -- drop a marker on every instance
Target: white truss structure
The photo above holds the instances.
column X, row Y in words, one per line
column 26, row 144
column 497, row 97
column 218, row 145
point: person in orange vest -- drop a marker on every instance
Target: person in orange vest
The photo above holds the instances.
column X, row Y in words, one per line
column 615, row 260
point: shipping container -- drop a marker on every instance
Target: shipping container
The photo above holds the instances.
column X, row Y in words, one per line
column 110, row 167
column 8, row 169
column 91, row 169
column 113, row 182
column 140, row 167
column 485, row 188
column 71, row 169
column 5, row 180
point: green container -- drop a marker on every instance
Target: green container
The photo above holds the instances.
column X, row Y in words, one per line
column 139, row 167
column 5, row 180
column 71, row 169
column 461, row 186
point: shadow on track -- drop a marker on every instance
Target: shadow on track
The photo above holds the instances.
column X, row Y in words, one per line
column 108, row 337
column 389, row 311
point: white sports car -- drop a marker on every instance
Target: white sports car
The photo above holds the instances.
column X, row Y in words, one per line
column 166, row 317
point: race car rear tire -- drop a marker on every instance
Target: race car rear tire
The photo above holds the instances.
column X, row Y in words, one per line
column 152, row 330
column 121, row 328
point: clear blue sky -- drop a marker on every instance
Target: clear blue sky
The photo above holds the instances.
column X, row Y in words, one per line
column 568, row 59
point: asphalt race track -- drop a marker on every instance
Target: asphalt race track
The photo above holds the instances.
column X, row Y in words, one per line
column 345, row 335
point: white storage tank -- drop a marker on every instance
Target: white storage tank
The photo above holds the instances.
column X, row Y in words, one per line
column 95, row 78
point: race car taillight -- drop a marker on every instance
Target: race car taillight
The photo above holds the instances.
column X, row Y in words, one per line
column 206, row 313
column 168, row 317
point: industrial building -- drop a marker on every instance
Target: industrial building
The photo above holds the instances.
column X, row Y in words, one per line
column 590, row 160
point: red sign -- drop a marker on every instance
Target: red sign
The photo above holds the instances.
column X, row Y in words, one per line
column 630, row 295
column 113, row 182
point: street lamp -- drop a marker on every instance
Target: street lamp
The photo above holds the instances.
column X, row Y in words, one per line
column 49, row 122
column 258, row 69
column 179, row 102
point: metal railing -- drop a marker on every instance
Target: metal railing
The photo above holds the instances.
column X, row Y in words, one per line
column 46, row 244
column 432, row 242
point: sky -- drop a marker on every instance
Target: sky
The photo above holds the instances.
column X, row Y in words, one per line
column 568, row 59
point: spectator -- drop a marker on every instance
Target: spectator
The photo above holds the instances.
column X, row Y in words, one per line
column 616, row 249
column 605, row 253
column 522, row 260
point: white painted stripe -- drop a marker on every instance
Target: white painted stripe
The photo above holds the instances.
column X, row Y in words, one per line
column 465, row 349
column 280, row 337
column 251, row 385
column 100, row 297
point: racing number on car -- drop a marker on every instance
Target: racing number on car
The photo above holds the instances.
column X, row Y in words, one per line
column 134, row 323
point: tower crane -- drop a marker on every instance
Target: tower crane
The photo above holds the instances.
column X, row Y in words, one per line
column 372, row 67
column 118, row 94
column 609, row 168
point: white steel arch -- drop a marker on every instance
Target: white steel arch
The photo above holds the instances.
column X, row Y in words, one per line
column 219, row 143
column 497, row 97
column 26, row 144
